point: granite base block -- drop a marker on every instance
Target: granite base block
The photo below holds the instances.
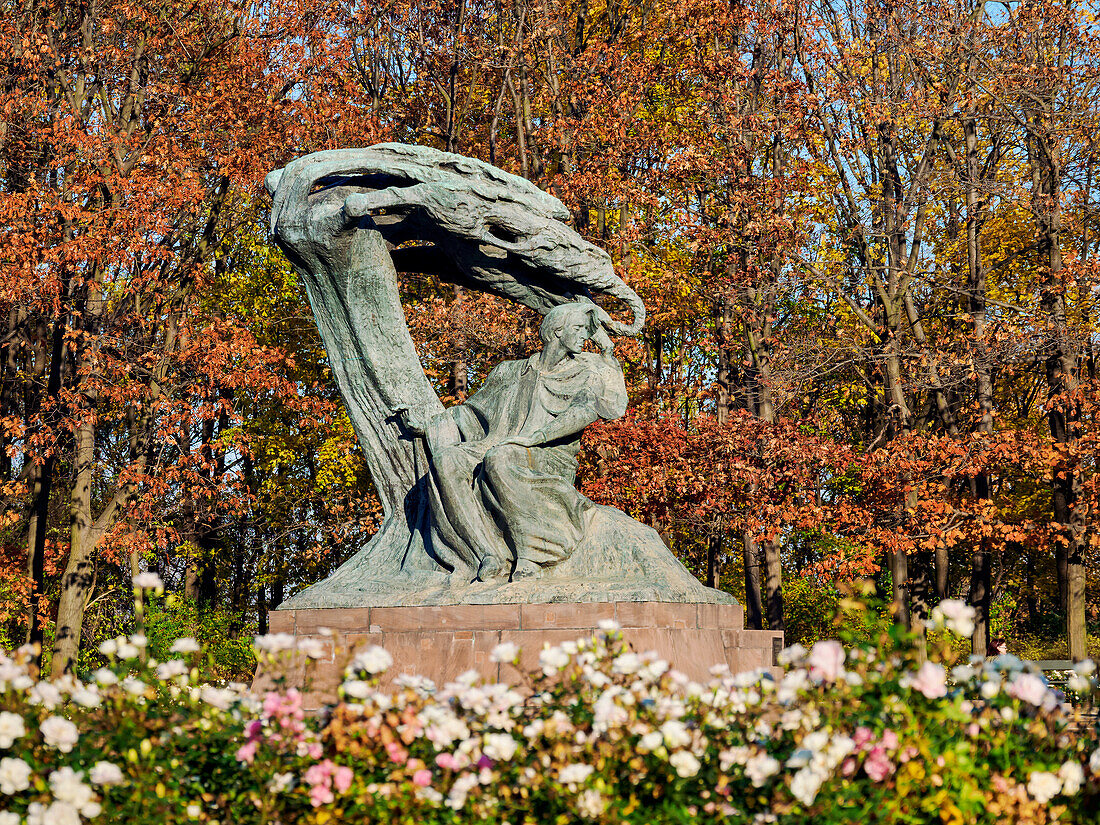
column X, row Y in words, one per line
column 443, row 641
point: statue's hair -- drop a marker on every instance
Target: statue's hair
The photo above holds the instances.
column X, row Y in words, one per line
column 554, row 320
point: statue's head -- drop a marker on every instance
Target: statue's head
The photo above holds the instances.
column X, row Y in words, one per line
column 573, row 323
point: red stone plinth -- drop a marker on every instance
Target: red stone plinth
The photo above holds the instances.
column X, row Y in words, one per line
column 442, row 642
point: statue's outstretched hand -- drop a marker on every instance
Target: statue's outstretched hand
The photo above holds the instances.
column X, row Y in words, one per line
column 412, row 417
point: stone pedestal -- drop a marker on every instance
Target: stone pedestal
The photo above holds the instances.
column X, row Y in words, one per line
column 443, row 641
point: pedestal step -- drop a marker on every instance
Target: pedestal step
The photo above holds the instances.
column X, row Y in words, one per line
column 441, row 642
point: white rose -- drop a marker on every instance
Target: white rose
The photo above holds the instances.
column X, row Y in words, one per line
column 552, row 659
column 15, row 775
column 9, row 818
column 590, row 804
column 134, row 686
column 185, row 645
column 676, row 734
column 275, row 642
column 954, row 615
column 651, row 741
column 105, row 677
column 791, row 655
column 574, row 774
column 87, row 697
column 505, row 652
column 357, row 689
column 1043, row 786
column 149, row 581
column 627, row 663
column 1094, row 762
column 106, row 773
column 1072, row 776
column 609, row 625
column 61, row 813
column 171, row 669
column 805, row 785
column 685, row 763
column 45, row 694
column 59, row 733
column 128, row 650
column 759, row 768
column 373, row 660
column 66, row 785
column 313, row 648
column 1078, row 683
column 499, row 747
column 219, row 698
column 11, row 728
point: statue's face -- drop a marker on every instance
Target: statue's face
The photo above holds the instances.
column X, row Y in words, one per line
column 574, row 333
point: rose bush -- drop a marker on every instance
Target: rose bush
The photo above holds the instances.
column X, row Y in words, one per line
column 595, row 733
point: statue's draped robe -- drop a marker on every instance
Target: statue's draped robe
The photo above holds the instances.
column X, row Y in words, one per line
column 492, row 499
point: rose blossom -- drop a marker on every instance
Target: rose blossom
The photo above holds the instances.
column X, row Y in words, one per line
column 15, row 775
column 373, row 660
column 505, row 652
column 931, row 680
column 59, row 733
column 1043, row 786
column 1027, row 687
column 11, row 728
column 106, row 773
column 957, row 616
column 877, row 766
column 826, row 660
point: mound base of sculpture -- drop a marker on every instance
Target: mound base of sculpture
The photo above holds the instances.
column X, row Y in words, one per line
column 617, row 560
column 441, row 642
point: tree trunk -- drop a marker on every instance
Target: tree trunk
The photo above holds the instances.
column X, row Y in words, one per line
column 714, row 554
column 42, row 489
column 979, row 599
column 899, row 574
column 1044, row 154
column 754, row 619
column 773, row 584
column 76, row 584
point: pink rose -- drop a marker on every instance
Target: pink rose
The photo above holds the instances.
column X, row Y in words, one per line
column 848, row 766
column 877, row 766
column 247, row 752
column 397, row 753
column 320, row 795
column 931, row 680
column 890, row 740
column 826, row 660
column 863, row 737
column 422, row 777
column 314, row 750
column 445, row 761
column 1027, row 687
column 342, row 777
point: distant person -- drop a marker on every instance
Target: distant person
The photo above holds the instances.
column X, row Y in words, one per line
column 996, row 647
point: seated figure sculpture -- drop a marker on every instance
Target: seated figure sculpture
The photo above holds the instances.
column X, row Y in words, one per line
column 478, row 500
column 502, row 464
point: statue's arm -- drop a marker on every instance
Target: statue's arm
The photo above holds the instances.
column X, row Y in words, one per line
column 579, row 414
